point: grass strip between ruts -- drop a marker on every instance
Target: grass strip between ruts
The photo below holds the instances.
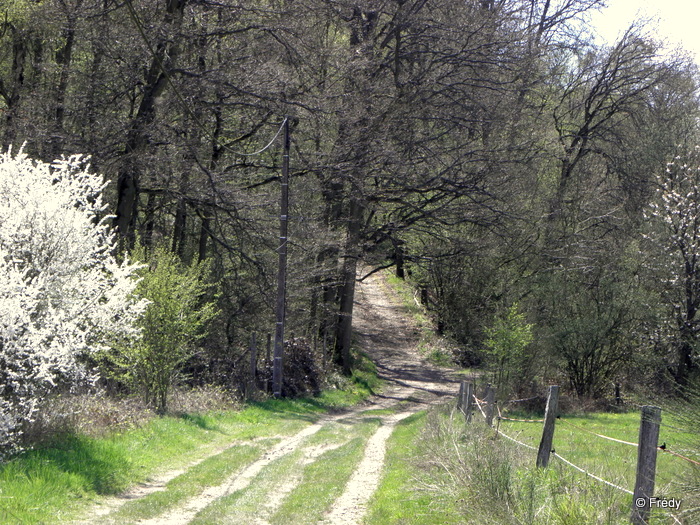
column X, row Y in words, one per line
column 60, row 481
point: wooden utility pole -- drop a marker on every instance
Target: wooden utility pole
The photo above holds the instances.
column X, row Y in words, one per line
column 278, row 357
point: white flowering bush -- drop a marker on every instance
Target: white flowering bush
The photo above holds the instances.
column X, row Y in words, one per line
column 63, row 295
column 674, row 238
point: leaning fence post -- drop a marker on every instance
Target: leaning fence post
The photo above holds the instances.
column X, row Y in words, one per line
column 550, row 415
column 468, row 401
column 490, row 399
column 465, row 399
column 646, row 464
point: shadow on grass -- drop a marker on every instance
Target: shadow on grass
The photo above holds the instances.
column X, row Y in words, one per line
column 312, row 408
column 98, row 464
column 199, row 420
column 365, row 381
column 306, row 409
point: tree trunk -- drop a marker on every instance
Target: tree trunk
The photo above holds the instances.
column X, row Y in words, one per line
column 203, row 237
column 343, row 339
column 128, row 179
column 63, row 60
column 149, row 222
column 11, row 93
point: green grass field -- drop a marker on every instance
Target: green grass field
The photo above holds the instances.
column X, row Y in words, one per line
column 613, row 461
column 464, row 473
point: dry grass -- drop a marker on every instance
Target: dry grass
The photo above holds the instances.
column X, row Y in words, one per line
column 494, row 481
column 98, row 414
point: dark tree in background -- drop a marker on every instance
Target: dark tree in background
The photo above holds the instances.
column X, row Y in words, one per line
column 489, row 150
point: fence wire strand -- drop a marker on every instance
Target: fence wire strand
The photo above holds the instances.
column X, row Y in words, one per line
column 599, row 435
column 500, row 417
column 521, row 420
column 478, row 404
column 677, row 429
column 521, row 400
column 566, row 461
column 664, row 449
column 591, row 475
column 500, row 432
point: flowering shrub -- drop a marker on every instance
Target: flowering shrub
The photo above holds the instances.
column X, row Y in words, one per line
column 673, row 246
column 62, row 293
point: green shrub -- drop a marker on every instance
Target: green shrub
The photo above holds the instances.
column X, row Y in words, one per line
column 180, row 308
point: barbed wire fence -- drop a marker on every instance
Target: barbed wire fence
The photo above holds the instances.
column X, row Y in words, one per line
column 647, row 446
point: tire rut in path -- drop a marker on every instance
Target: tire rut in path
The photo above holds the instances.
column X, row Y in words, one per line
column 239, row 481
column 387, row 333
column 351, row 505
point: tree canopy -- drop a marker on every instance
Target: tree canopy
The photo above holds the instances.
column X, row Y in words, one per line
column 491, row 151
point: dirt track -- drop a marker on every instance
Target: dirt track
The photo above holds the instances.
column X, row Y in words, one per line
column 387, row 334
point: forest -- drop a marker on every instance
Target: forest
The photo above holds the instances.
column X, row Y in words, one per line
column 538, row 190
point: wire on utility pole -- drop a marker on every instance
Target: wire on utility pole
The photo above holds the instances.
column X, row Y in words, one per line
column 278, row 357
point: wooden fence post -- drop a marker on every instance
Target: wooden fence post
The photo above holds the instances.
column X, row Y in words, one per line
column 490, row 400
column 550, row 415
column 468, row 400
column 465, row 399
column 646, row 464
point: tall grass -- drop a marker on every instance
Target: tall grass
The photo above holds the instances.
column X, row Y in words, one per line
column 491, row 480
column 410, row 494
column 686, row 416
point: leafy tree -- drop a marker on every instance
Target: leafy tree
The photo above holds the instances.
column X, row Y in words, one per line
column 507, row 340
column 63, row 296
column 178, row 312
column 591, row 322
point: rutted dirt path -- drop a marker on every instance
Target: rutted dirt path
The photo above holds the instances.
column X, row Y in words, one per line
column 391, row 338
column 350, row 507
column 388, row 335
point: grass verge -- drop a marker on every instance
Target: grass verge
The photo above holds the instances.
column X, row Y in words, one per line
column 65, row 476
column 399, row 499
column 465, row 470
